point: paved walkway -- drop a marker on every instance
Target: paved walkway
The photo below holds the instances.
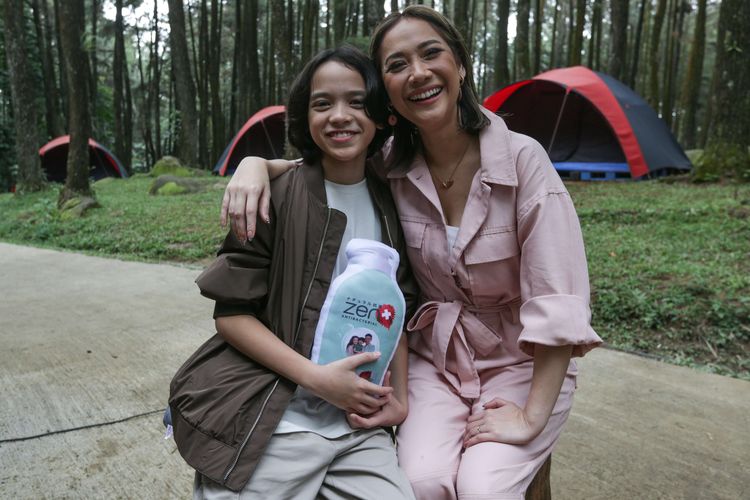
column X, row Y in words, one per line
column 89, row 346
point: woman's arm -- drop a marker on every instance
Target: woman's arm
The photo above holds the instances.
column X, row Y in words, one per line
column 249, row 194
column 505, row 422
column 335, row 382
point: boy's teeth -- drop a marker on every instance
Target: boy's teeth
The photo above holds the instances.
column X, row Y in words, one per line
column 425, row 95
column 341, row 134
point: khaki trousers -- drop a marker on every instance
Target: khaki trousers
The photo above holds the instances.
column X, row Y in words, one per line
column 305, row 465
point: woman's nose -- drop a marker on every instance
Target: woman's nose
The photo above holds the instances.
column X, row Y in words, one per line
column 420, row 71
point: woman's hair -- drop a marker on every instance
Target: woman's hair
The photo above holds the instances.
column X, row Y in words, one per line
column 470, row 116
column 298, row 105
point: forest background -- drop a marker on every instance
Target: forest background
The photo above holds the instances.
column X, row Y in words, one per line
column 670, row 262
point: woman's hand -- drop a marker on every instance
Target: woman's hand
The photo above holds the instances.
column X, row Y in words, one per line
column 501, row 422
column 393, row 412
column 248, row 191
column 338, row 384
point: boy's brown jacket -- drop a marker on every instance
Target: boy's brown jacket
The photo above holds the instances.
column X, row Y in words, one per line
column 225, row 407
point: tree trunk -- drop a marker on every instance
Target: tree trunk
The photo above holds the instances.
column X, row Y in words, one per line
column 93, row 85
column 577, row 46
column 123, row 146
column 184, row 86
column 692, row 80
column 538, row 22
column 155, row 87
column 51, row 96
column 637, row 45
column 502, row 75
column 595, row 42
column 61, row 64
column 653, row 80
column 374, row 12
column 554, row 44
column 30, row 175
column 201, row 69
column 218, row 135
column 461, row 18
column 339, row 21
column 522, row 40
column 79, row 122
column 619, row 16
column 729, row 138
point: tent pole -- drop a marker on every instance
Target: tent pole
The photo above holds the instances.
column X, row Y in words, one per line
column 268, row 138
column 557, row 124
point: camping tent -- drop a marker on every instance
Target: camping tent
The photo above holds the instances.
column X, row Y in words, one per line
column 262, row 135
column 590, row 123
column 54, row 156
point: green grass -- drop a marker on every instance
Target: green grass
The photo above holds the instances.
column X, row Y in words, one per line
column 669, row 263
column 130, row 225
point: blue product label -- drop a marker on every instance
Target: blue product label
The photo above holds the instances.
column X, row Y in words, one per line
column 365, row 313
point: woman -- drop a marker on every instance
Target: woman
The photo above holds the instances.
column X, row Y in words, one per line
column 496, row 247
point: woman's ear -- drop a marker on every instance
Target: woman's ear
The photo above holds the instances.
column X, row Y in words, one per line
column 462, row 73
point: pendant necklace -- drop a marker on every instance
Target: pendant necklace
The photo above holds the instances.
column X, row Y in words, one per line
column 448, row 183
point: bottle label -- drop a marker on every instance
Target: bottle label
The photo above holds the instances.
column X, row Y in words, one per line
column 363, row 312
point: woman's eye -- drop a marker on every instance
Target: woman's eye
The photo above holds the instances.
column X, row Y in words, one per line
column 358, row 104
column 319, row 104
column 395, row 67
column 432, row 52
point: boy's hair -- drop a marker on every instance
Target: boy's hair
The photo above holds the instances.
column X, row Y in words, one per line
column 298, row 106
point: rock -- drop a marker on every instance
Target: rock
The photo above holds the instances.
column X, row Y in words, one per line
column 172, row 185
column 169, row 165
column 77, row 207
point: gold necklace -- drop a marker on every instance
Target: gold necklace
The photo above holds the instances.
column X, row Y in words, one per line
column 447, row 184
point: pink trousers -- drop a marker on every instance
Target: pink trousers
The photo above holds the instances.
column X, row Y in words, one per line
column 430, row 441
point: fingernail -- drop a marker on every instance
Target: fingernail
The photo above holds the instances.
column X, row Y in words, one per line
column 267, row 220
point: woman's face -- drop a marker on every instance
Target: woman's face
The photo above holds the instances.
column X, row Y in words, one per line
column 421, row 74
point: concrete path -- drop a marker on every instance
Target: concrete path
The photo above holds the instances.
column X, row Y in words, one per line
column 89, row 346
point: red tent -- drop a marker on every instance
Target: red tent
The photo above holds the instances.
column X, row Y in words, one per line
column 262, row 135
column 54, row 156
column 590, row 122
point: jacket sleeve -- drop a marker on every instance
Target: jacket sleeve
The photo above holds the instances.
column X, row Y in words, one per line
column 238, row 279
column 553, row 271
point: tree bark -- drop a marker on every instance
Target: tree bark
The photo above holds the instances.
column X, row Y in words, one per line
column 93, row 85
column 79, row 122
column 553, row 46
column 522, row 40
column 122, row 129
column 729, row 137
column 653, row 80
column 577, row 46
column 538, row 22
column 502, row 74
column 218, row 136
column 51, row 95
column 595, row 42
column 339, row 21
column 30, row 175
column 692, row 80
column 637, row 45
column 619, row 16
column 187, row 135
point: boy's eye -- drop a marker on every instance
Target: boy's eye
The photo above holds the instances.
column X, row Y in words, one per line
column 358, row 103
column 318, row 104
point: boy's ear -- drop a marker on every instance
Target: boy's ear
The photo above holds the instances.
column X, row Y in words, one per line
column 379, row 126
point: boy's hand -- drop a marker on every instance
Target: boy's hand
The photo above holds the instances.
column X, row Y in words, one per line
column 338, row 384
column 391, row 413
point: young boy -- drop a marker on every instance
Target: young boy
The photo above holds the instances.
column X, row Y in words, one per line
column 251, row 413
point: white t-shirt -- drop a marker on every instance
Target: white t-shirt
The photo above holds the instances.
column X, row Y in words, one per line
column 307, row 412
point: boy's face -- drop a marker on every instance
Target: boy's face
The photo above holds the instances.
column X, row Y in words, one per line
column 368, row 339
column 337, row 119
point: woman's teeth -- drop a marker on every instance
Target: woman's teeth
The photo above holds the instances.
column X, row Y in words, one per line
column 426, row 94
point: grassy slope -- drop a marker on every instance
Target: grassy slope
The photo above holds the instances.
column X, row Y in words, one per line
column 669, row 263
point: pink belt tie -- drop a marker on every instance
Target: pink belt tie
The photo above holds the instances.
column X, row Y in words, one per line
column 456, row 322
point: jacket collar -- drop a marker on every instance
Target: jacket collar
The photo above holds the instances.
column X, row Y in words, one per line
column 497, row 164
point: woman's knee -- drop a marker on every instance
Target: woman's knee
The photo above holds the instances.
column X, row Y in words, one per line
column 440, row 484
